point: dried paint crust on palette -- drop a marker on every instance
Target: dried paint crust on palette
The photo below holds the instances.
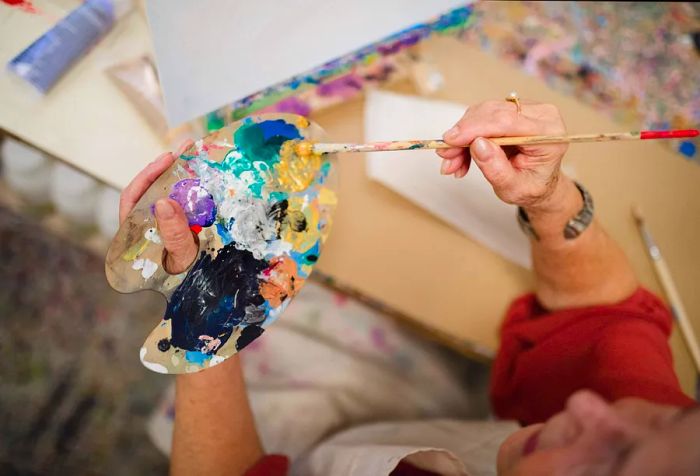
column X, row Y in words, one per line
column 342, row 78
column 261, row 216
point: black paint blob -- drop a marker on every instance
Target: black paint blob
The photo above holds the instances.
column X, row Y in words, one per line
column 248, row 335
column 297, row 221
column 163, row 345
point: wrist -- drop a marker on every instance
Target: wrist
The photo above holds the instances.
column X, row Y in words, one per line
column 552, row 219
column 562, row 199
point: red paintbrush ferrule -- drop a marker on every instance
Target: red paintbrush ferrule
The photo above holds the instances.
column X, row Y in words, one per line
column 668, row 134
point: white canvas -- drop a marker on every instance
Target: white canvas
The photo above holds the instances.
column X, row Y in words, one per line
column 212, row 52
column 468, row 204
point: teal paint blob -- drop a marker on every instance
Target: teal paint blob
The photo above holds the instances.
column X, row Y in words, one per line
column 262, row 140
column 278, row 196
column 257, row 151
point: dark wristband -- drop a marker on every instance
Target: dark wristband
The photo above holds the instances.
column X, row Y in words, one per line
column 573, row 228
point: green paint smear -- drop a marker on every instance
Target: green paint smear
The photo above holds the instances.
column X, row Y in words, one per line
column 214, row 121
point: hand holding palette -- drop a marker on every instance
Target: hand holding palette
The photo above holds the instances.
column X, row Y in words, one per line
column 261, row 215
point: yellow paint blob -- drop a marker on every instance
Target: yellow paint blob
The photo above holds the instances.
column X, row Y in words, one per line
column 296, row 172
column 326, row 196
column 135, row 250
column 304, row 148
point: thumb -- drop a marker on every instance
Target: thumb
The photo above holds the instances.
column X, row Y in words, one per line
column 178, row 240
column 494, row 164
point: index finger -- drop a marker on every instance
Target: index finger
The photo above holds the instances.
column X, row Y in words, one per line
column 495, row 119
column 138, row 186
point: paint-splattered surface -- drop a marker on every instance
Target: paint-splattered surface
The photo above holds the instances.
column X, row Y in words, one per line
column 73, row 397
column 261, row 215
column 639, row 61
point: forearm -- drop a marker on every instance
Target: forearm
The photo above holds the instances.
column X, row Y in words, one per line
column 588, row 270
column 214, row 428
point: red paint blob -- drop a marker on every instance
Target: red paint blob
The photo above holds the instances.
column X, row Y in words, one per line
column 196, row 229
column 25, row 5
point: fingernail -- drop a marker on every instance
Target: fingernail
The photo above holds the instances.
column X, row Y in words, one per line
column 164, row 209
column 451, row 134
column 186, row 145
column 444, row 166
column 481, row 149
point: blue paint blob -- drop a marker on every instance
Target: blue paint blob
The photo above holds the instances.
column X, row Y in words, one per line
column 307, row 258
column 196, row 357
column 279, row 128
column 224, row 234
column 687, row 148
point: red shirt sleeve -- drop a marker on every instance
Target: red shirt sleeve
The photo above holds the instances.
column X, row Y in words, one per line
column 619, row 350
column 270, row 465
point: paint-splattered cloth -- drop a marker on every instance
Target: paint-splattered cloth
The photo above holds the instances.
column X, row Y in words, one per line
column 331, row 363
column 619, row 350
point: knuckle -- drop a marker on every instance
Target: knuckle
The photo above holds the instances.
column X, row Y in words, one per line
column 179, row 236
column 507, row 196
column 498, row 179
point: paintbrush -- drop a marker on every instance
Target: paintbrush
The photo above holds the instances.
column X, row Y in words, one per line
column 669, row 287
column 306, row 148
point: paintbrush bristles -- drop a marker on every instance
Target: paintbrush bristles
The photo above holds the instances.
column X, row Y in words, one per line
column 637, row 214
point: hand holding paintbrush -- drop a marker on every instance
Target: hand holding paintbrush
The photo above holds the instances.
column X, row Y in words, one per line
column 307, row 148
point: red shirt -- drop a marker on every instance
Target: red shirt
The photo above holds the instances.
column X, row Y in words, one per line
column 620, row 350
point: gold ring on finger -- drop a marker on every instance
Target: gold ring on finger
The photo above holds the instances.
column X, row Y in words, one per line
column 515, row 99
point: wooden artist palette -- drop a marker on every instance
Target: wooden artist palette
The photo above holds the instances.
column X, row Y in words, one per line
column 261, row 215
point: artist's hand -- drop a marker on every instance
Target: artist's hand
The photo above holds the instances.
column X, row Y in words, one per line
column 173, row 228
column 521, row 175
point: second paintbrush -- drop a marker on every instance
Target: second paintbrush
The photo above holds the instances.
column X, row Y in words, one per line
column 307, row 148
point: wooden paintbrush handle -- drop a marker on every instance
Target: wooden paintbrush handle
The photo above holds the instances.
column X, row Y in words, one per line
column 327, row 148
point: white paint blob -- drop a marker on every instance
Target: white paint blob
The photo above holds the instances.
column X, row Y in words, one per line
column 147, row 267
column 161, row 369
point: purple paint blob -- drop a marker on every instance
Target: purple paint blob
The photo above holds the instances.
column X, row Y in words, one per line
column 292, row 105
column 344, row 87
column 196, row 201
